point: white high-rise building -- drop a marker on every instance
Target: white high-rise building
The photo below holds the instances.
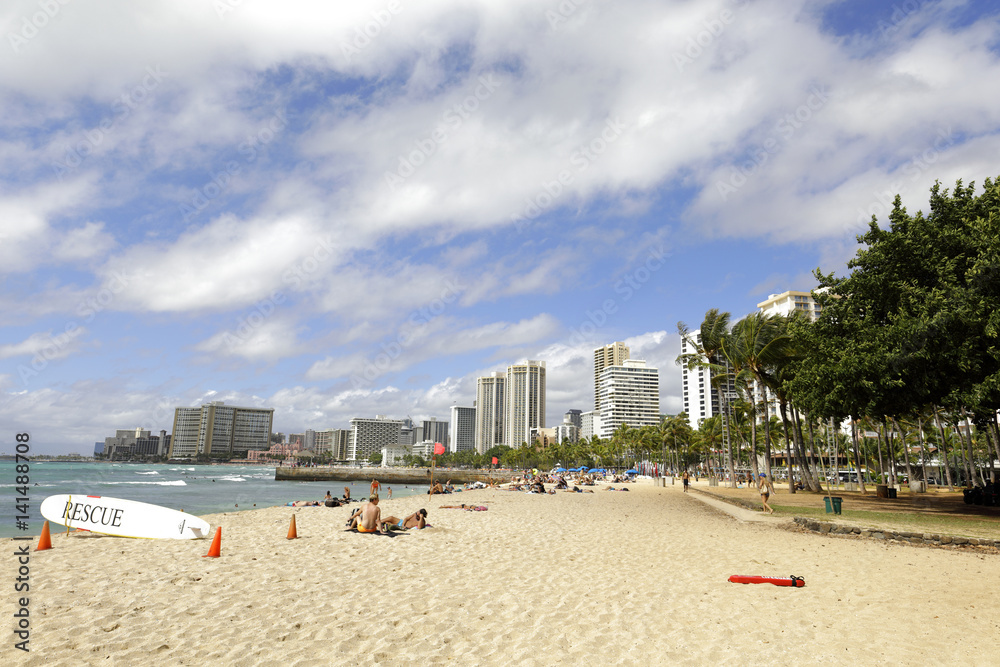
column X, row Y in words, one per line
column 462, row 430
column 491, row 405
column 590, row 423
column 630, row 394
column 613, row 354
column 372, row 435
column 790, row 302
column 525, row 401
column 700, row 398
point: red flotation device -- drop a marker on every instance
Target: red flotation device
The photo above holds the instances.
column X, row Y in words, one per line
column 797, row 582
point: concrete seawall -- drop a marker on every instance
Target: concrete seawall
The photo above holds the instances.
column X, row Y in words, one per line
column 389, row 475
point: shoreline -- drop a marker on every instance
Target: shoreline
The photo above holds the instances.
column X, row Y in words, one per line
column 621, row 577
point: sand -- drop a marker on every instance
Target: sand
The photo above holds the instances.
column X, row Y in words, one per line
column 603, row 578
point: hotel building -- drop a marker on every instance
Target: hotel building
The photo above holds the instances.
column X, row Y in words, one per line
column 701, row 400
column 462, row 432
column 613, row 354
column 369, row 436
column 219, row 429
column 491, row 405
column 525, row 405
column 629, row 394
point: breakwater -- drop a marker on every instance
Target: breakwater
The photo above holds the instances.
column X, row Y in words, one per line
column 390, row 475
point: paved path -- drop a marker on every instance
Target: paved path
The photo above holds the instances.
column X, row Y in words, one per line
column 739, row 513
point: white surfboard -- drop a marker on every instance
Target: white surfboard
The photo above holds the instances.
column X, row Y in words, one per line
column 122, row 518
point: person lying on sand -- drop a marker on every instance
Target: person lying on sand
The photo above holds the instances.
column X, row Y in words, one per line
column 463, row 506
column 416, row 520
column 368, row 518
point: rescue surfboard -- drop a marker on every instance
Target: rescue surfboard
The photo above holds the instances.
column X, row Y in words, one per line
column 797, row 582
column 122, row 518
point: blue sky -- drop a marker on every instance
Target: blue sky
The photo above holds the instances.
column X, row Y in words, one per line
column 349, row 211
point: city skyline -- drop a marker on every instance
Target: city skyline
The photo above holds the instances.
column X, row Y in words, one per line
column 339, row 210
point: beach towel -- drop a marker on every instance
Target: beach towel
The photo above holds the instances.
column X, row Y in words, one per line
column 390, row 533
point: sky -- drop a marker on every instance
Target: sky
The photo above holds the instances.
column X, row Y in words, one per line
column 345, row 210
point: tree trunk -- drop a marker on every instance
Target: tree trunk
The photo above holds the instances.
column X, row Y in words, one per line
column 788, row 446
column 810, row 474
column 923, row 451
column 857, row 457
column 819, row 457
column 906, row 449
column 767, row 435
column 943, row 453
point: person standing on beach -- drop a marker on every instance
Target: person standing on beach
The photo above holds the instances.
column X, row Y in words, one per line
column 765, row 492
column 347, row 493
column 373, row 491
column 686, row 478
column 390, row 493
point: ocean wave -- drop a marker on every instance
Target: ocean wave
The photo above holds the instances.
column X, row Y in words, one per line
column 178, row 482
column 231, row 479
column 151, row 472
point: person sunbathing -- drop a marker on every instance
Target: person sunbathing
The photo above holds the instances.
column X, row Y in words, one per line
column 416, row 520
column 367, row 519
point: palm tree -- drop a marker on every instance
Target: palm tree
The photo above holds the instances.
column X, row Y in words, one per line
column 708, row 349
column 756, row 345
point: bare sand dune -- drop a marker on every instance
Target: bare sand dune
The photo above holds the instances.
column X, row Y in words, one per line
column 602, row 578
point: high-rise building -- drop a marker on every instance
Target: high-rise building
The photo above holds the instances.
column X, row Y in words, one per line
column 462, row 431
column 590, row 424
column 435, row 431
column 613, row 354
column 790, row 302
column 369, row 436
column 219, row 429
column 574, row 417
column 333, row 440
column 700, row 398
column 491, row 405
column 525, row 405
column 630, row 394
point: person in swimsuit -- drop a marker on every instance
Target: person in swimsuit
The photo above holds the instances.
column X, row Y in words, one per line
column 373, row 491
column 765, row 492
column 368, row 519
column 686, row 478
column 416, row 520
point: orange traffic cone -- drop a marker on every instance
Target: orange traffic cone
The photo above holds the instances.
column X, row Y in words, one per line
column 292, row 533
column 215, row 550
column 45, row 541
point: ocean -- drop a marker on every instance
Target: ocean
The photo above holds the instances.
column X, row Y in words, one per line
column 202, row 489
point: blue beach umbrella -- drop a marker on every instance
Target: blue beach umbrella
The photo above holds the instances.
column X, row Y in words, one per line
column 631, row 472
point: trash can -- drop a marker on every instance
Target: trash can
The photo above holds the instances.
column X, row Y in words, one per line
column 829, row 507
column 836, row 504
column 882, row 491
column 892, row 492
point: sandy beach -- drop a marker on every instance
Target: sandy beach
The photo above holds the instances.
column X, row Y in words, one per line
column 602, row 578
